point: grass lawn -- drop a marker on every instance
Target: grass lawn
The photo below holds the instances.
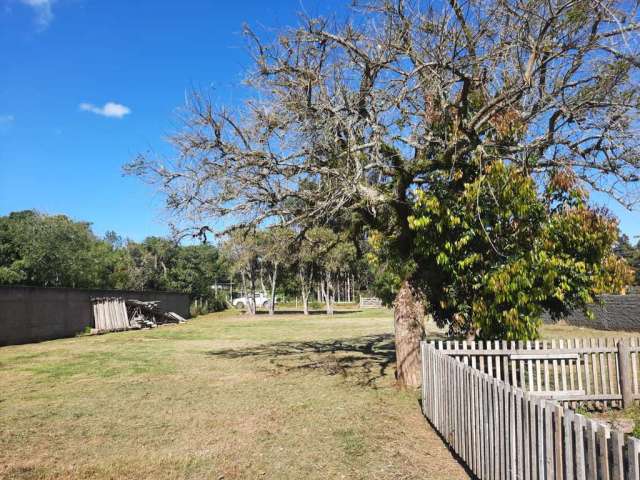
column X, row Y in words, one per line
column 562, row 330
column 221, row 397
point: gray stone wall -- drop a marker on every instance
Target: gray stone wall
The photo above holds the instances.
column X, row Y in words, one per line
column 31, row 314
column 616, row 312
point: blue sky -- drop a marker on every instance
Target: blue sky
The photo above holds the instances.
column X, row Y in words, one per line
column 85, row 85
column 62, row 61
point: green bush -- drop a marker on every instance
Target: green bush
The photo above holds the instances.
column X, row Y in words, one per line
column 213, row 302
column 315, row 305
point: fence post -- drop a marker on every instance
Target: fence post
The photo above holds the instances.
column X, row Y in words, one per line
column 626, row 382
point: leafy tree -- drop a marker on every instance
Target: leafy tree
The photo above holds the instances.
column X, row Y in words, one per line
column 43, row 250
column 50, row 251
column 494, row 253
column 355, row 116
column 195, row 269
column 273, row 247
column 631, row 254
column 240, row 251
column 338, row 255
column 308, row 254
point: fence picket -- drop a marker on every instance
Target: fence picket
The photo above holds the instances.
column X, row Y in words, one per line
column 548, row 440
column 633, row 450
column 611, row 369
column 536, row 346
column 567, row 422
column 578, row 371
column 634, row 368
column 594, row 362
column 617, row 457
column 602, row 435
column 603, row 380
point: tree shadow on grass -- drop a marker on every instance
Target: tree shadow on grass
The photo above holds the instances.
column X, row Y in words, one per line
column 364, row 360
column 294, row 311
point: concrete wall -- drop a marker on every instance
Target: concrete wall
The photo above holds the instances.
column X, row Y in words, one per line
column 31, row 314
column 617, row 312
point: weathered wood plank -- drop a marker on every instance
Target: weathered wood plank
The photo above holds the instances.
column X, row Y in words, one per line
column 512, row 472
column 536, row 346
column 526, row 435
column 633, row 451
column 567, row 425
column 543, row 356
column 580, row 451
column 594, row 365
column 548, row 440
column 578, row 373
column 540, row 420
column 617, row 455
column 611, row 369
column 558, row 435
column 602, row 435
column 634, row 361
column 592, row 459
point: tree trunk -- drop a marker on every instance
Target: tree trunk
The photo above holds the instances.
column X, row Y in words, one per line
column 409, row 328
column 274, row 277
column 251, row 301
column 264, row 289
column 328, row 293
column 306, row 287
column 245, row 293
column 305, row 302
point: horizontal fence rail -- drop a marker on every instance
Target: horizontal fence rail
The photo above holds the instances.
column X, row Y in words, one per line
column 370, row 302
column 576, row 371
column 503, row 432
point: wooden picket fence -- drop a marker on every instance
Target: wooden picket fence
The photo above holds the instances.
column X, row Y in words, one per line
column 504, row 432
column 584, row 372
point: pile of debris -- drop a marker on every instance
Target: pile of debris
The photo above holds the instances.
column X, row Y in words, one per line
column 148, row 315
column 114, row 313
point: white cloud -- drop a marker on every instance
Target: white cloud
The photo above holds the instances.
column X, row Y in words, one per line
column 43, row 10
column 109, row 109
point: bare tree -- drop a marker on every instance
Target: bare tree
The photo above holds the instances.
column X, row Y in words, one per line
column 241, row 252
column 307, row 259
column 274, row 246
column 337, row 257
column 355, row 115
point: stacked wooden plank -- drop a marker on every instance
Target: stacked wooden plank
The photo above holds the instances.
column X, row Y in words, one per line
column 114, row 313
column 110, row 314
column 503, row 432
column 149, row 314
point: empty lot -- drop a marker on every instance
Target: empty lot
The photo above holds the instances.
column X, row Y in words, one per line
column 222, row 397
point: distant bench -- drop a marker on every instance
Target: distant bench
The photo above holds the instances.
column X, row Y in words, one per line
column 370, row 302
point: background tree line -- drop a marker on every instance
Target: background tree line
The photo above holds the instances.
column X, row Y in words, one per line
column 55, row 251
column 314, row 264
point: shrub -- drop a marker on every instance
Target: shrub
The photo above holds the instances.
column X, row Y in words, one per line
column 207, row 304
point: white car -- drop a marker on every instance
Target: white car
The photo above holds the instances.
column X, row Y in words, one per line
column 241, row 302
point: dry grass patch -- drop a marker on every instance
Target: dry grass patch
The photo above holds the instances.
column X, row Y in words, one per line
column 222, row 397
